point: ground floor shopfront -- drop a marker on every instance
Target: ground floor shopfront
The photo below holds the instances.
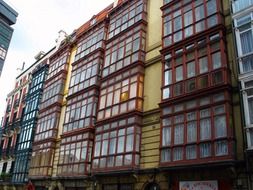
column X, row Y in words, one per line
column 188, row 178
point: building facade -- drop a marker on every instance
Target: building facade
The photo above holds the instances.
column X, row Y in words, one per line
column 144, row 95
column 7, row 18
column 243, row 37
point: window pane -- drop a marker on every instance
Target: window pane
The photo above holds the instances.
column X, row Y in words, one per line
column 165, row 155
column 246, row 41
column 177, row 23
column 188, row 18
column 97, row 148
column 129, row 143
column 199, row 12
column 179, row 134
column 105, row 147
column 190, row 69
column 221, row 148
column 177, row 154
column 211, row 7
column 191, row 152
column 205, row 150
column 166, row 136
column 250, row 105
column 247, row 63
column 205, row 129
column 112, row 148
column 216, row 60
column 121, row 143
column 191, row 131
column 167, row 78
column 203, row 65
column 220, row 126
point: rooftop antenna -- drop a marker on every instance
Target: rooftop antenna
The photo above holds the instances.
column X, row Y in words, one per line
column 22, row 68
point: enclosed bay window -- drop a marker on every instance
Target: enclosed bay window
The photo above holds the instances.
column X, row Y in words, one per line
column 58, row 64
column 247, row 87
column 41, row 160
column 80, row 112
column 117, row 144
column 53, row 91
column 91, row 41
column 244, row 38
column 197, row 129
column 85, row 73
column 126, row 17
column 47, row 125
column 75, row 155
column 120, row 94
column 128, row 50
column 194, row 17
column 195, row 66
column 239, row 5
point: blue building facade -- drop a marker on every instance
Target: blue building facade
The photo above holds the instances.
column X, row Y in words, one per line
column 28, row 124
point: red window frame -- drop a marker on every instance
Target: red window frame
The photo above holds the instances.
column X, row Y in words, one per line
column 120, row 85
column 194, row 52
column 120, row 129
column 126, row 17
column 71, row 144
column 211, row 103
column 172, row 11
column 75, row 105
column 122, row 51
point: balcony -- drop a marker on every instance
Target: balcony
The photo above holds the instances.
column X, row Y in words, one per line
column 24, row 98
column 8, row 152
column 8, row 109
column 16, row 103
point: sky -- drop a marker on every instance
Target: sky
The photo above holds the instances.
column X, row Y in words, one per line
column 36, row 29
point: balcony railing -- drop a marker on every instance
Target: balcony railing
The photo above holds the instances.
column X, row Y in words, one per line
column 8, row 109
column 8, row 152
column 16, row 103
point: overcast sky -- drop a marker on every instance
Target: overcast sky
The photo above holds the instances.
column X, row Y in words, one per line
column 36, row 30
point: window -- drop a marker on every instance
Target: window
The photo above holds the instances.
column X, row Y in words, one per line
column 194, row 67
column 90, row 42
column 117, row 144
column 85, row 74
column 57, row 64
column 244, row 38
column 194, row 134
column 126, row 17
column 248, row 110
column 238, row 5
column 192, row 18
column 128, row 50
column 80, row 112
column 120, row 95
column 75, row 155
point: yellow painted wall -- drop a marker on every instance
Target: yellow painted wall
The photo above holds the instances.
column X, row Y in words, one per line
column 63, row 109
column 152, row 81
column 152, row 88
column 231, row 51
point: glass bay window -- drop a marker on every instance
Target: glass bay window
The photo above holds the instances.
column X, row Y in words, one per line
column 195, row 66
column 193, row 18
column 244, row 38
column 117, row 144
column 197, row 129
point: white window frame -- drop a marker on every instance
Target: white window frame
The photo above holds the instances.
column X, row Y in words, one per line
column 248, row 125
column 238, row 41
